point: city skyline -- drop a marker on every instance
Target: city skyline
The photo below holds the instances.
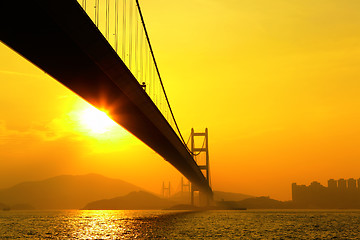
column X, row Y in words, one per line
column 341, row 193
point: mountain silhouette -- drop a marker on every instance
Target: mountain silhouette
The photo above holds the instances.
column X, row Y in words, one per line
column 230, row 196
column 264, row 203
column 3, row 206
column 132, row 201
column 21, row 207
column 65, row 192
column 184, row 197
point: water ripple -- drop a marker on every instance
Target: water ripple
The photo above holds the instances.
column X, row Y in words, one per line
column 180, row 225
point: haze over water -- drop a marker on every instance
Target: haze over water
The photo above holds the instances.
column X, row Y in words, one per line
column 255, row 224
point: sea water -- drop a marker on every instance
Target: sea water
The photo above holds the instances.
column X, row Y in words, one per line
column 248, row 224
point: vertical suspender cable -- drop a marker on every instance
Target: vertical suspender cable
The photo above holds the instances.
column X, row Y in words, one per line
column 116, row 23
column 141, row 59
column 107, row 20
column 152, row 89
column 150, row 76
column 130, row 33
column 146, row 59
column 136, row 48
column 97, row 12
column 124, row 31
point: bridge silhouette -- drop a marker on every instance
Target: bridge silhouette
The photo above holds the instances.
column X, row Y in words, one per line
column 101, row 51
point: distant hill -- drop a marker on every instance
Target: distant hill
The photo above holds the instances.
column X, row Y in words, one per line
column 184, row 207
column 218, row 196
column 229, row 196
column 132, row 201
column 3, row 206
column 65, row 192
column 22, row 207
column 264, row 203
column 15, row 207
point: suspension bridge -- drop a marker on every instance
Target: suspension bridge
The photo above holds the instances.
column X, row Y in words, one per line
column 101, row 50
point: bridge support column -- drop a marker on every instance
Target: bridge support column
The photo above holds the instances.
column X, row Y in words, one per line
column 166, row 190
column 204, row 166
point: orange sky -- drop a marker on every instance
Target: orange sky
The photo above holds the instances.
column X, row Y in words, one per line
column 276, row 82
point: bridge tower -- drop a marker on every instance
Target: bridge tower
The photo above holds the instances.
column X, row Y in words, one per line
column 205, row 167
column 185, row 188
column 166, row 190
column 184, row 185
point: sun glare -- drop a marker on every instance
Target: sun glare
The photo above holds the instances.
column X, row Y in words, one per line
column 97, row 121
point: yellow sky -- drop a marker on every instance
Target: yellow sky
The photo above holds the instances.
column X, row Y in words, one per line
column 276, row 82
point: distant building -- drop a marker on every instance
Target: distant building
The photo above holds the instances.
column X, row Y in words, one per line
column 338, row 194
column 316, row 185
column 351, row 184
column 342, row 184
column 332, row 184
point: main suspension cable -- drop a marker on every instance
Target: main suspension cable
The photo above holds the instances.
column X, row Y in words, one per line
column 158, row 73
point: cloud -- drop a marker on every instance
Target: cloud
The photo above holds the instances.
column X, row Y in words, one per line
column 51, row 131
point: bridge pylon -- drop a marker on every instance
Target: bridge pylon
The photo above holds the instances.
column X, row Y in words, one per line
column 184, row 186
column 204, row 166
column 166, row 190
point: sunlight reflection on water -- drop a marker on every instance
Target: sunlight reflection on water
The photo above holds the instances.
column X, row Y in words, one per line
column 180, row 225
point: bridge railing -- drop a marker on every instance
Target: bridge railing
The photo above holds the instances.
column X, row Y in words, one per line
column 120, row 23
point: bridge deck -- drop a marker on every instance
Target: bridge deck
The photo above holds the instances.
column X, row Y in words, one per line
column 61, row 39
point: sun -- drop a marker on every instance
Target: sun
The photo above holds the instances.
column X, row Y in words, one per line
column 96, row 121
